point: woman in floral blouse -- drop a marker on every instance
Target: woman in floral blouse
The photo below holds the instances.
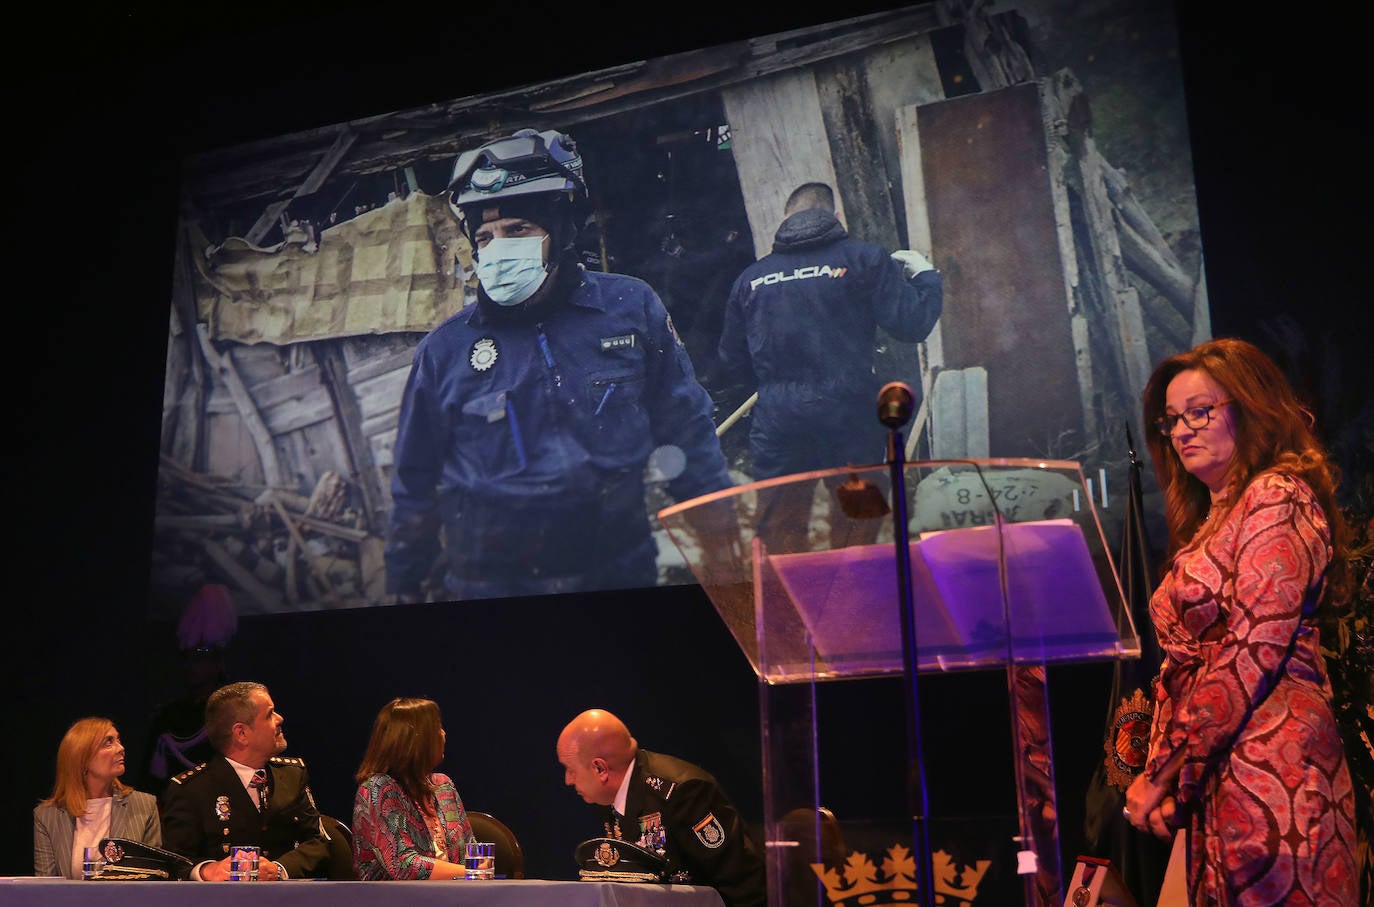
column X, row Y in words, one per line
column 408, row 820
column 1245, row 754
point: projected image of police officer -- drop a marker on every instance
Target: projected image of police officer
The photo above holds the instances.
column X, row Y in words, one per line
column 529, row 418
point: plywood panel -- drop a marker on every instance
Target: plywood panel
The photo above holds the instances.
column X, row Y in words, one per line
column 892, row 77
column 959, row 414
column 995, row 238
column 779, row 142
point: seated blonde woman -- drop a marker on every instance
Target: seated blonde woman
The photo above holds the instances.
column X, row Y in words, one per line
column 88, row 802
column 408, row 820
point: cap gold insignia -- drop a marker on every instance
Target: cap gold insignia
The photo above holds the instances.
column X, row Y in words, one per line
column 606, row 855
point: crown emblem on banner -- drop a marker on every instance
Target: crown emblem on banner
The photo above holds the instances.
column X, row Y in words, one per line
column 861, row 884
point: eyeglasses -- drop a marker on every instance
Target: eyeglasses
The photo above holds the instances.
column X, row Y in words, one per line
column 1195, row 417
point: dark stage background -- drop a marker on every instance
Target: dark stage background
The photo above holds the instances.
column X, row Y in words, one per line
column 99, row 124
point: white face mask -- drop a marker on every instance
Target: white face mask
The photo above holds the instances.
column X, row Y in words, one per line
column 510, row 270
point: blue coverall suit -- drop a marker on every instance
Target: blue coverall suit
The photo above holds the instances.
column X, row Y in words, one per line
column 803, row 319
column 527, row 439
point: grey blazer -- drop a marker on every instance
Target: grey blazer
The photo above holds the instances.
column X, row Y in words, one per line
column 132, row 816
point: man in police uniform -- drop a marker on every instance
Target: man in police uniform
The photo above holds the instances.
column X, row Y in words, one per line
column 247, row 795
column 529, row 417
column 663, row 804
column 803, row 320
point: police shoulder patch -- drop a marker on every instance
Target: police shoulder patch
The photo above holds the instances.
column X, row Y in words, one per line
column 188, row 773
column 672, row 329
column 709, row 831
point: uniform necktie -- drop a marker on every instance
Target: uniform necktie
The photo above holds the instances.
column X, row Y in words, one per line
column 259, row 784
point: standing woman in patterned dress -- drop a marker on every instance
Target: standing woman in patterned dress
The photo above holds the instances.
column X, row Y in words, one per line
column 408, row 820
column 1245, row 753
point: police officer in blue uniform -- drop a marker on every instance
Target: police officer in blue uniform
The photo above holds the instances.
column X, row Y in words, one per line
column 803, row 320
column 529, row 417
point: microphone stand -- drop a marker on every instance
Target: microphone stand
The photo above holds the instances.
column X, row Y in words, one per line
column 894, row 409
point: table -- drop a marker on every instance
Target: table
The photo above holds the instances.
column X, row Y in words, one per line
column 44, row 892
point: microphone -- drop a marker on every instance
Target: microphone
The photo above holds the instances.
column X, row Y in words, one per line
column 894, row 404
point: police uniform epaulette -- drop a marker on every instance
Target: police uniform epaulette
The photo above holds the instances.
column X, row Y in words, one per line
column 189, row 772
column 287, row 760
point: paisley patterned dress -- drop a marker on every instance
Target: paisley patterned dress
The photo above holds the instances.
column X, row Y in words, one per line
column 1264, row 782
column 392, row 838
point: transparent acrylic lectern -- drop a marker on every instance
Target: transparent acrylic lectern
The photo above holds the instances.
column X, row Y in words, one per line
column 1009, row 572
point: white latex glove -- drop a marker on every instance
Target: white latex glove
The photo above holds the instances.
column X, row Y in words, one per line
column 912, row 262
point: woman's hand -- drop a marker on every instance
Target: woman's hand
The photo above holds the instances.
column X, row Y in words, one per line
column 1150, row 804
column 1162, row 819
column 1151, row 808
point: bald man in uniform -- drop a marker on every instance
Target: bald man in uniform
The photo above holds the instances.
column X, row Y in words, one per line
column 663, row 804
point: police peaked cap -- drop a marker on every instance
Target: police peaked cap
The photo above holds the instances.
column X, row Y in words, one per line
column 610, row 859
column 134, row 861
